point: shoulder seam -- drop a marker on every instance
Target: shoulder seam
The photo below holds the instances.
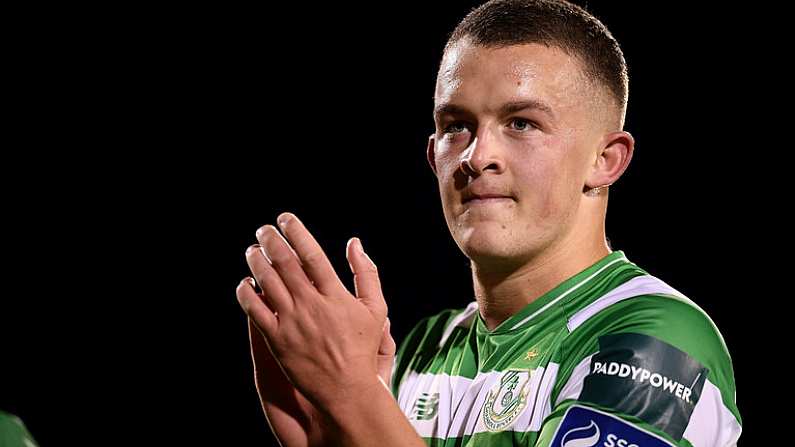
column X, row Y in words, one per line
column 637, row 286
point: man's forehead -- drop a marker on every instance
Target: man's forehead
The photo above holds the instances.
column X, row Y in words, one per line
column 519, row 61
column 535, row 68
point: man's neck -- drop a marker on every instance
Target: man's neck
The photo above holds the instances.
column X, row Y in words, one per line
column 502, row 294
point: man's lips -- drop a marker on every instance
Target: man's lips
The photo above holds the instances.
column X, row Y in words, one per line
column 487, row 198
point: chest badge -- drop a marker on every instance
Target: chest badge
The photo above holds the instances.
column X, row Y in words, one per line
column 506, row 400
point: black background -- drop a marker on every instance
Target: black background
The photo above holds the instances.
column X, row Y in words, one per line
column 153, row 142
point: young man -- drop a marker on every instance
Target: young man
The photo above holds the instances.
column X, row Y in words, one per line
column 567, row 342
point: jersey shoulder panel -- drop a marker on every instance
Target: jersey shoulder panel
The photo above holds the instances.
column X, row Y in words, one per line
column 614, row 280
column 657, row 357
column 427, row 337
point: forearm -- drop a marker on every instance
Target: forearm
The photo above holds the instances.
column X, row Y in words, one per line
column 372, row 418
column 285, row 428
column 292, row 420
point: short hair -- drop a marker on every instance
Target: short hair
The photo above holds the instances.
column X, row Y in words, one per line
column 553, row 23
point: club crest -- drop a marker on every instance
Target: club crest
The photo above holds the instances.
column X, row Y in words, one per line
column 506, row 400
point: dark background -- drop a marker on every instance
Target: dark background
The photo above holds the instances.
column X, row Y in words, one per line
column 153, row 143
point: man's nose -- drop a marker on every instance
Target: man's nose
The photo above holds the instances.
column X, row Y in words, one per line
column 482, row 154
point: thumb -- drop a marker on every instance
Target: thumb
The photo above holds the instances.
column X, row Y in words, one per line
column 366, row 279
column 388, row 345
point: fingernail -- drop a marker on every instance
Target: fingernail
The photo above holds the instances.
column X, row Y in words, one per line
column 283, row 219
column 359, row 245
column 251, row 282
column 262, row 233
column 251, row 248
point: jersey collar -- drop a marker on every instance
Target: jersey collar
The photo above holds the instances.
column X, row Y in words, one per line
column 565, row 290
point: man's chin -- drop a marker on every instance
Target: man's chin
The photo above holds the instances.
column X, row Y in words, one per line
column 494, row 262
column 494, row 250
column 486, row 247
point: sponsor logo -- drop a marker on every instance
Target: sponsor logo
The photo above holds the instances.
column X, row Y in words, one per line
column 582, row 436
column 643, row 375
column 506, row 400
column 426, row 407
column 588, row 427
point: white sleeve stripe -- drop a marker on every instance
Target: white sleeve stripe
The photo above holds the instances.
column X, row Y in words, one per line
column 641, row 285
column 573, row 387
column 712, row 424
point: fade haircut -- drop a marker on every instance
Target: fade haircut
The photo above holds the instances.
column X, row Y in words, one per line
column 553, row 23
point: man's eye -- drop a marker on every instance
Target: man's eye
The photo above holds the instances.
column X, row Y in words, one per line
column 522, row 124
column 455, row 128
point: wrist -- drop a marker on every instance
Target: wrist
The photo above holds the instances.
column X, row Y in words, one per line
column 355, row 399
column 371, row 417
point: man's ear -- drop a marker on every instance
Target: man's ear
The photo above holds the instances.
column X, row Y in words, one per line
column 430, row 152
column 613, row 159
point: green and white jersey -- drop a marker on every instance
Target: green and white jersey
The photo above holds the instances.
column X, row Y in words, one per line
column 611, row 357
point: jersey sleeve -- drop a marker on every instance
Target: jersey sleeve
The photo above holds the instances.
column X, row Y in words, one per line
column 13, row 432
column 405, row 351
column 649, row 371
column 422, row 338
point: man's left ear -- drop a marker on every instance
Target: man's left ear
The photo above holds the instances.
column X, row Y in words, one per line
column 613, row 159
column 430, row 152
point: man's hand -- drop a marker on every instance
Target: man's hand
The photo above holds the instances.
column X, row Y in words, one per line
column 325, row 338
column 386, row 355
column 294, row 420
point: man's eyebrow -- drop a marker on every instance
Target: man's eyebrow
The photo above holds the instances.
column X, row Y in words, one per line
column 448, row 108
column 515, row 106
column 505, row 109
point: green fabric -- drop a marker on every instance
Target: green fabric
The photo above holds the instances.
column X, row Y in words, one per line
column 13, row 432
column 503, row 387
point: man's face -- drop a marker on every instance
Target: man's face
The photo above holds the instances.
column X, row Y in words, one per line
column 538, row 158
